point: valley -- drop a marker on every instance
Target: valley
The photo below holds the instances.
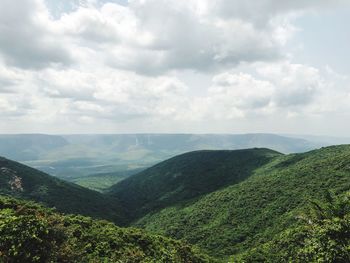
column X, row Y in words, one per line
column 233, row 205
column 79, row 158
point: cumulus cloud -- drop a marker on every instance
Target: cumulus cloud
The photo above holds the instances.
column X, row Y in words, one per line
column 155, row 36
column 261, row 12
column 152, row 37
column 25, row 37
column 148, row 36
column 274, row 88
column 112, row 94
column 297, row 84
column 8, row 80
column 13, row 106
column 103, row 62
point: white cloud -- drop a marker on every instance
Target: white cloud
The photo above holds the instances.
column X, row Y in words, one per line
column 112, row 94
column 9, row 78
column 152, row 37
column 14, row 106
column 106, row 63
column 297, row 84
column 25, row 37
column 148, row 36
column 274, row 89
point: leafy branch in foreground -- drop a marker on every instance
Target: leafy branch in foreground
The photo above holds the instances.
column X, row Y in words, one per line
column 32, row 233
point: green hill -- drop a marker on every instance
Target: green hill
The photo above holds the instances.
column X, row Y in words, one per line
column 31, row 233
column 321, row 234
column 238, row 206
column 187, row 176
column 24, row 182
column 241, row 214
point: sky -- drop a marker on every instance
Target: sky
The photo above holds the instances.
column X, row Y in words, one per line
column 175, row 66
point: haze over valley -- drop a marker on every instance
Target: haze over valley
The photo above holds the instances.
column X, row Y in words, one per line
column 98, row 161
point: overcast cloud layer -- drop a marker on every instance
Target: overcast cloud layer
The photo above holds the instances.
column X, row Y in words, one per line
column 166, row 66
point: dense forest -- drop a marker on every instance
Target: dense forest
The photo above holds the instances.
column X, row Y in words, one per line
column 254, row 205
column 236, row 217
column 32, row 233
column 24, row 182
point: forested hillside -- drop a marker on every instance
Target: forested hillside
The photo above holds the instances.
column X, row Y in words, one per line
column 31, row 233
column 21, row 181
column 247, row 213
column 187, row 176
column 320, row 234
column 253, row 205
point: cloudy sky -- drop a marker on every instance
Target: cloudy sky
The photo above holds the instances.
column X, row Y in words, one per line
column 202, row 66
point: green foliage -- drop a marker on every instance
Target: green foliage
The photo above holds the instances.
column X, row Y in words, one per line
column 240, row 206
column 21, row 181
column 187, row 176
column 322, row 235
column 242, row 216
column 31, row 233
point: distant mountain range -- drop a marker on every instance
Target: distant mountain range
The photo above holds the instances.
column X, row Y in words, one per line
column 75, row 156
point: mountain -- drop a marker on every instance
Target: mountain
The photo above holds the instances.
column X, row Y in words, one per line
column 74, row 156
column 25, row 147
column 237, row 215
column 24, row 182
column 32, row 233
column 321, row 140
column 187, row 176
column 168, row 143
column 252, row 205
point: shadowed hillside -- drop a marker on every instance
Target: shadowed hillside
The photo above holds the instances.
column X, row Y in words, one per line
column 24, row 182
column 187, row 176
column 241, row 214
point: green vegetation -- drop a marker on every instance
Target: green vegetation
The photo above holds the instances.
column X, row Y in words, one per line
column 244, row 215
column 321, row 235
column 24, row 182
column 253, row 205
column 31, row 233
column 187, row 176
column 102, row 182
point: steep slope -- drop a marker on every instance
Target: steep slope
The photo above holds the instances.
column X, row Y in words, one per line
column 24, row 182
column 31, row 233
column 320, row 235
column 241, row 216
column 187, row 176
